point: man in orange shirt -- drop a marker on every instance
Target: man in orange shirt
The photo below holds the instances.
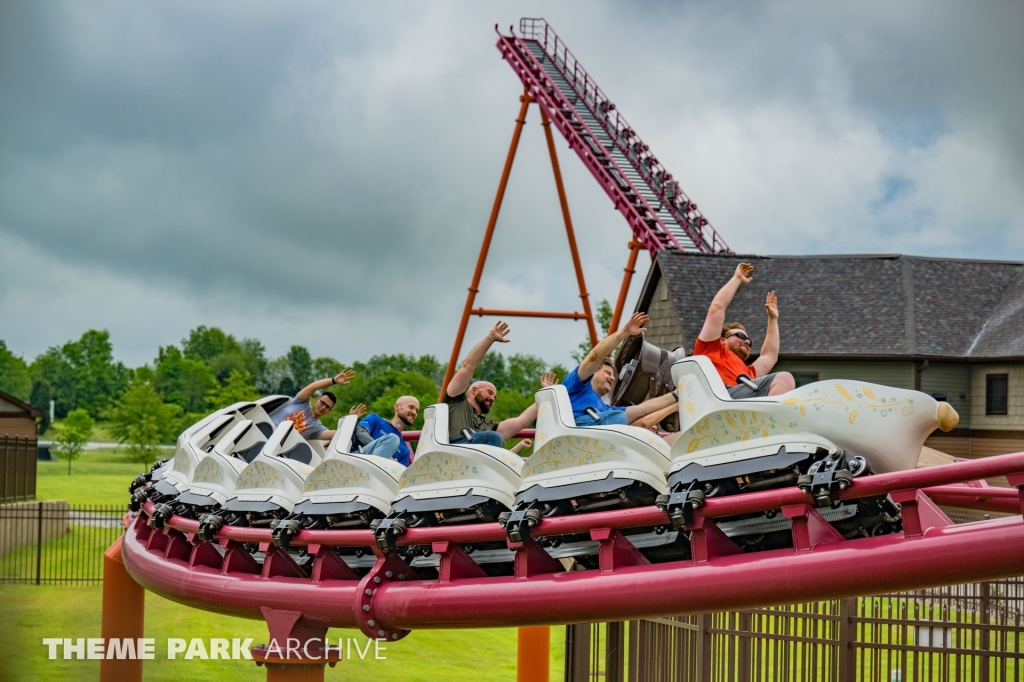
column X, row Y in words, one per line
column 728, row 346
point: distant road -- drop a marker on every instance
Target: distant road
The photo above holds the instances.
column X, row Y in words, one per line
column 101, row 446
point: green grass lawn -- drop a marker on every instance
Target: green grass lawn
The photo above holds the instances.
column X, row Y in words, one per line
column 101, row 477
column 32, row 613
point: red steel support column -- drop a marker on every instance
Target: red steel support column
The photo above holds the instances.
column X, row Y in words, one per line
column 570, row 233
column 485, row 247
column 534, row 657
column 627, row 278
column 124, row 602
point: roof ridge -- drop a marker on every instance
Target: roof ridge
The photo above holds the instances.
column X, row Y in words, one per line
column 865, row 256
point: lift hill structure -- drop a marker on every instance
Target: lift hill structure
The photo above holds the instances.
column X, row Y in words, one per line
column 661, row 216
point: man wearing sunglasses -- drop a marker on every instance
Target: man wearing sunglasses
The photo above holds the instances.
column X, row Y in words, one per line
column 728, row 345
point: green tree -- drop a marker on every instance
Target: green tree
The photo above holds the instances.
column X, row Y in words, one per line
column 72, row 436
column 40, row 398
column 300, row 367
column 603, row 317
column 254, row 356
column 294, row 370
column 276, row 377
column 326, row 367
column 383, row 379
column 183, row 381
column 206, row 343
column 239, row 388
column 223, row 353
column 142, row 421
column 82, row 373
column 14, row 376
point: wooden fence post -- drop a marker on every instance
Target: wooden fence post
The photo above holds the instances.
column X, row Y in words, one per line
column 577, row 652
column 614, row 654
column 984, row 619
column 704, row 647
column 743, row 646
column 847, row 639
column 39, row 542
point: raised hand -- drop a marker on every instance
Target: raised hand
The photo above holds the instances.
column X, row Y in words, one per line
column 771, row 304
column 499, row 332
column 344, row 377
column 636, row 323
column 358, row 410
column 521, row 445
column 744, row 272
column 548, row 379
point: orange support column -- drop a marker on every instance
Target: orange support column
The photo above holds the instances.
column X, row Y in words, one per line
column 627, row 278
column 124, row 611
column 474, row 287
column 533, row 663
column 570, row 233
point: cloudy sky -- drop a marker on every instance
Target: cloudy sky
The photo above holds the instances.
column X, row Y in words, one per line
column 321, row 172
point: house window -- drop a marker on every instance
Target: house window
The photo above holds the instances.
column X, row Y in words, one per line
column 804, row 378
column 995, row 394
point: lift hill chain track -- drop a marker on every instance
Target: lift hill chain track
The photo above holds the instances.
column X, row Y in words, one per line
column 656, row 208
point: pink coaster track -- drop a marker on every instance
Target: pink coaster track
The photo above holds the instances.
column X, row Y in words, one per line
column 391, row 600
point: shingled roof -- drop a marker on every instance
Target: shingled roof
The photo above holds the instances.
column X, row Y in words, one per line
column 879, row 305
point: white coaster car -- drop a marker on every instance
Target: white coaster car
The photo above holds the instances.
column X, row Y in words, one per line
column 346, row 490
column 173, row 476
column 583, row 469
column 216, row 476
column 270, row 485
column 819, row 436
column 455, row 483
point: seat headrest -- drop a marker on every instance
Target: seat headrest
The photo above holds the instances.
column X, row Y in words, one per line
column 435, row 425
column 556, row 399
column 704, row 370
column 343, row 435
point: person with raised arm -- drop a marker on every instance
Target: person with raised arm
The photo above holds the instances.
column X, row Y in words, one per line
column 306, row 417
column 728, row 345
column 469, row 402
column 595, row 377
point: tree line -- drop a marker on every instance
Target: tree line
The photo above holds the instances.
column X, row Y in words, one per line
column 210, row 368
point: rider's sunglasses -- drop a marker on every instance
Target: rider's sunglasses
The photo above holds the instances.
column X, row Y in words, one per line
column 741, row 335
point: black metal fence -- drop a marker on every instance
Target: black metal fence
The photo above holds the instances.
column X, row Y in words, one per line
column 17, row 468
column 52, row 543
column 966, row 632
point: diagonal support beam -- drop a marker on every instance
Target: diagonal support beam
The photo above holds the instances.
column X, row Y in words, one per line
column 531, row 559
column 570, row 233
column 919, row 513
column 455, row 563
column 615, row 550
column 485, row 247
column 810, row 528
column 707, row 541
column 327, row 565
column 474, row 287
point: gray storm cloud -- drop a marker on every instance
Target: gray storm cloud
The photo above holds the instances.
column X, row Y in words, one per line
column 321, row 173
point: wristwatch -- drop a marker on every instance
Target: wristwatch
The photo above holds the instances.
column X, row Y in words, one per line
column 675, row 395
column 333, row 381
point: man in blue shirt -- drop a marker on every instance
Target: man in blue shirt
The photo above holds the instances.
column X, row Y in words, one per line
column 382, row 438
column 595, row 377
